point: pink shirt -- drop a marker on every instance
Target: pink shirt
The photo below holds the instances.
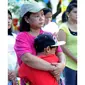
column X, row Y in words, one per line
column 24, row 44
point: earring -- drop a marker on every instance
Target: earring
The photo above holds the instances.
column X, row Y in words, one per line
column 28, row 22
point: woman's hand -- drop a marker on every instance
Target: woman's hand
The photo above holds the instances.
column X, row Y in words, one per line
column 12, row 75
column 58, row 78
column 58, row 68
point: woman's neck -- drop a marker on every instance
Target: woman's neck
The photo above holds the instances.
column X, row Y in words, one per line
column 72, row 25
column 35, row 32
column 72, row 22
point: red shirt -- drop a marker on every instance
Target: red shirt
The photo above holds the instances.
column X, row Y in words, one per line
column 39, row 77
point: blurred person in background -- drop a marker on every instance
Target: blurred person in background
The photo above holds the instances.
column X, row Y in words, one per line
column 48, row 15
column 49, row 26
column 68, row 33
column 12, row 59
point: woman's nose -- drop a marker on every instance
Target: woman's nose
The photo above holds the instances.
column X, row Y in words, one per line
column 42, row 17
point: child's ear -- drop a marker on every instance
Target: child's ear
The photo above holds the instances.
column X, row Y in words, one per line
column 47, row 49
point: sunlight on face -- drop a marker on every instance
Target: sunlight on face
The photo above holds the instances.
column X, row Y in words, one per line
column 37, row 19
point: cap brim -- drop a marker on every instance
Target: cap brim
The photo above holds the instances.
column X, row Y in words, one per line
column 59, row 43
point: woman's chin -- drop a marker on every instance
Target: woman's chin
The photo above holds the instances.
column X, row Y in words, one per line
column 9, row 27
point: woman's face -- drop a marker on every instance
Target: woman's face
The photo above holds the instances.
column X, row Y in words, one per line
column 9, row 21
column 48, row 17
column 36, row 20
column 73, row 14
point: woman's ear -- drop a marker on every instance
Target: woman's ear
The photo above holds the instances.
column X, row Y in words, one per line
column 26, row 19
column 67, row 14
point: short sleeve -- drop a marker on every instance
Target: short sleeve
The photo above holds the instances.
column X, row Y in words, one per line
column 59, row 49
column 64, row 27
column 22, row 45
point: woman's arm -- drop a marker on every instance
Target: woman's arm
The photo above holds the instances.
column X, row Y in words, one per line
column 62, row 36
column 12, row 74
column 61, row 57
column 68, row 53
column 59, row 52
column 36, row 62
column 59, row 66
column 16, row 70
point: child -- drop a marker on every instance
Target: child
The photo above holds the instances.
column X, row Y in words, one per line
column 48, row 15
column 49, row 26
column 45, row 47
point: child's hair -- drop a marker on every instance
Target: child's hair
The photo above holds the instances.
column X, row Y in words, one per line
column 10, row 30
column 69, row 9
column 42, row 41
column 24, row 26
column 46, row 10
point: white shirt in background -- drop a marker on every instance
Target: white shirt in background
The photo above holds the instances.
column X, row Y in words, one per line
column 12, row 58
column 51, row 27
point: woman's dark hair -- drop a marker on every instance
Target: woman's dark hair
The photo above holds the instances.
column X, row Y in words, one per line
column 9, row 13
column 69, row 9
column 73, row 1
column 46, row 10
column 64, row 17
column 10, row 30
column 24, row 26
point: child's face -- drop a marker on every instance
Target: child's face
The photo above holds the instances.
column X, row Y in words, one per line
column 36, row 20
column 51, row 50
column 48, row 17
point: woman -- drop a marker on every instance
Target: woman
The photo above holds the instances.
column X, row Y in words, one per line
column 12, row 59
column 68, row 33
column 32, row 20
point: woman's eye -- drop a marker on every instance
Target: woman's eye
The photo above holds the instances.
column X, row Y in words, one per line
column 36, row 16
